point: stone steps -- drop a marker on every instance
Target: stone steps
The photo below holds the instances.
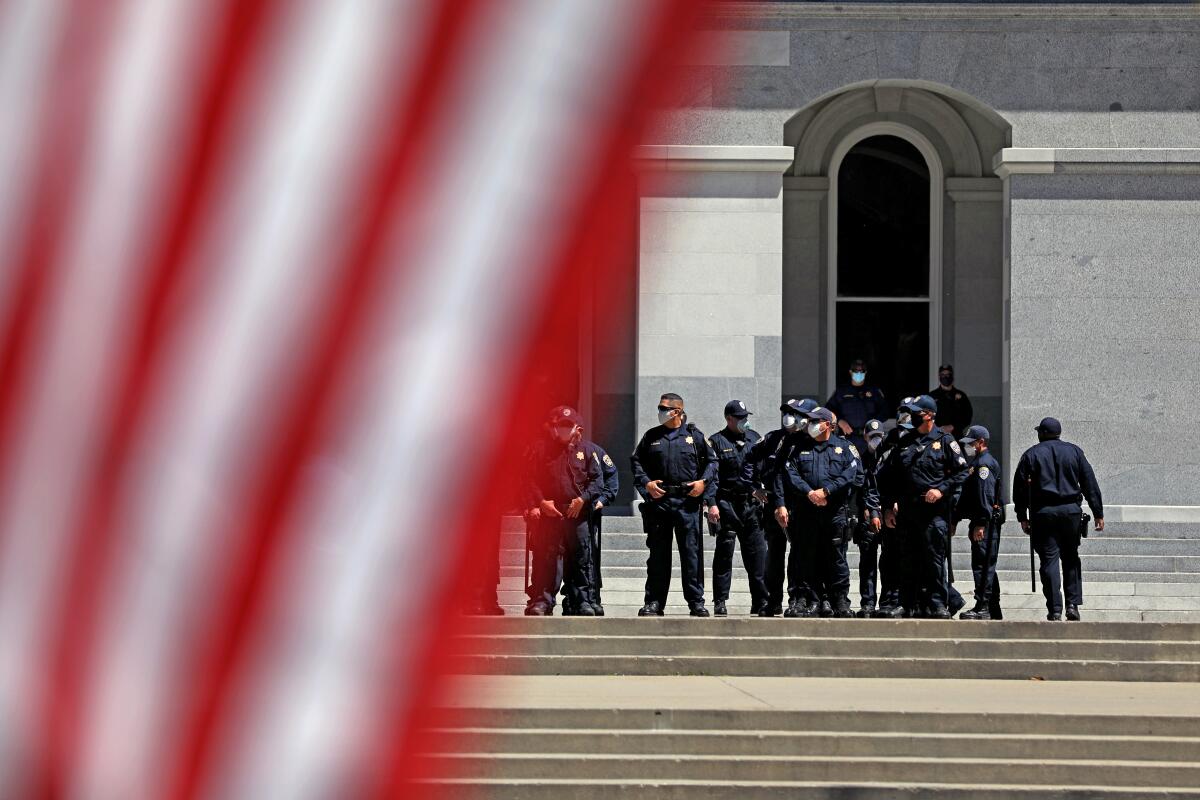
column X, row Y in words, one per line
column 740, row 646
column 609, row 739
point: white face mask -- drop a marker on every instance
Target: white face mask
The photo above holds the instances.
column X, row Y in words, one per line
column 873, row 442
column 969, row 449
column 789, row 422
column 814, row 429
column 905, row 421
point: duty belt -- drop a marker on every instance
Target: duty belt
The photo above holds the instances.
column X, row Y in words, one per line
column 677, row 490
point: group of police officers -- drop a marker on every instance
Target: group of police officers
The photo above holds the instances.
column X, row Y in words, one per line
column 828, row 476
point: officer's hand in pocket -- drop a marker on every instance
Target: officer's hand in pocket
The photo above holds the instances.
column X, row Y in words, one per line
column 550, row 510
column 714, row 515
column 654, row 489
column 575, row 507
column 977, row 533
column 697, row 488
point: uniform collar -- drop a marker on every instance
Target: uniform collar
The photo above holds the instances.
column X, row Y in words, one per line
column 934, row 434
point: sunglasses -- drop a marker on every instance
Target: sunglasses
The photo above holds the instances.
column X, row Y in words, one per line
column 668, row 408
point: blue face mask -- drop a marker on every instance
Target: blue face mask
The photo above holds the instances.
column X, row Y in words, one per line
column 904, row 420
column 743, row 425
column 858, row 377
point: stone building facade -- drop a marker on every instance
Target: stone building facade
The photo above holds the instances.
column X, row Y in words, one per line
column 1014, row 189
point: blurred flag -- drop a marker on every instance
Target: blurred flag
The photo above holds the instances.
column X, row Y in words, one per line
column 273, row 277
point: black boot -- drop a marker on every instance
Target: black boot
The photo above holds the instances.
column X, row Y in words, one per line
column 825, row 610
column 719, row 609
column 866, row 611
column 699, row 611
column 976, row 613
column 651, row 609
column 939, row 612
column 842, row 610
column 1054, row 617
column 1072, row 613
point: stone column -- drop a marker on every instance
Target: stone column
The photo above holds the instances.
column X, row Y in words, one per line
column 710, row 280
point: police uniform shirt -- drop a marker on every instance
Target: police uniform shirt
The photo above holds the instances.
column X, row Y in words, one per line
column 733, row 450
column 608, row 472
column 674, row 456
column 930, row 461
column 1058, row 474
column 857, row 405
column 870, row 501
column 954, row 408
column 561, row 472
column 831, row 465
column 980, row 492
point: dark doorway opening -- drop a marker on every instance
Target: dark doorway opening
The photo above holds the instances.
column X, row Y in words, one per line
column 882, row 301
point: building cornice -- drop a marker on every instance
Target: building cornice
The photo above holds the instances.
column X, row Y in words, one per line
column 1097, row 160
column 713, row 158
column 749, row 11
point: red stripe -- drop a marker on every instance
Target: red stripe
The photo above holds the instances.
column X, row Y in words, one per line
column 402, row 141
column 601, row 239
column 155, row 311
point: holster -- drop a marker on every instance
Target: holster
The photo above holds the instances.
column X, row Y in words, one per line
column 1084, row 520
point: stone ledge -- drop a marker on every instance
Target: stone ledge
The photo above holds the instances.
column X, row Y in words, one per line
column 750, row 11
column 1132, row 513
column 713, row 158
column 1096, row 160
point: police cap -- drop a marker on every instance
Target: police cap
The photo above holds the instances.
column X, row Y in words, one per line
column 736, row 408
column 975, row 433
column 1049, row 426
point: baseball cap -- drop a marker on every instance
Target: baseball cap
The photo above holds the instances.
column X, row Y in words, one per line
column 975, row 433
column 736, row 408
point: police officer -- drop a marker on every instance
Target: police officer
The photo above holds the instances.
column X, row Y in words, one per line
column 857, row 402
column 954, row 407
column 765, row 456
column 733, row 507
column 561, row 486
column 925, row 473
column 609, row 491
column 981, row 505
column 1051, row 479
column 866, row 534
column 672, row 465
column 812, row 495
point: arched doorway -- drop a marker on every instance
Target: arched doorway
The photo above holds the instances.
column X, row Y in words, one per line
column 893, row 244
column 885, row 259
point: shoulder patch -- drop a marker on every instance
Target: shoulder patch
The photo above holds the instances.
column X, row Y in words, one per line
column 854, row 450
column 984, row 472
column 954, row 446
column 607, row 460
column 936, row 445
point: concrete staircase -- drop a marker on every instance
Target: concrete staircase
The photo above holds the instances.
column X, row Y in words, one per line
column 1133, row 572
column 752, row 708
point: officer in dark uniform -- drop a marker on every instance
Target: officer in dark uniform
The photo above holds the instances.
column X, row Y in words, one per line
column 893, row 559
column 866, row 534
column 765, row 456
column 672, row 465
column 1051, row 480
column 608, row 494
column 812, row 494
column 954, row 407
column 561, row 486
column 857, row 402
column 983, row 508
column 926, row 473
column 733, row 507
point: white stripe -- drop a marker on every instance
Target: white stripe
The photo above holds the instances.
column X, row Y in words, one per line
column 263, row 269
column 28, row 31
column 532, row 103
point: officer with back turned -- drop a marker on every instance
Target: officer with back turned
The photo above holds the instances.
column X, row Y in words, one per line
column 672, row 465
column 981, row 505
column 734, row 510
column 1051, row 480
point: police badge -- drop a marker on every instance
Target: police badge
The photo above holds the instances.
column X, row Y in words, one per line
column 936, row 445
column 579, row 455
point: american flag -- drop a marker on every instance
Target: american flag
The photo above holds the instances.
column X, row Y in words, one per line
column 273, row 277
